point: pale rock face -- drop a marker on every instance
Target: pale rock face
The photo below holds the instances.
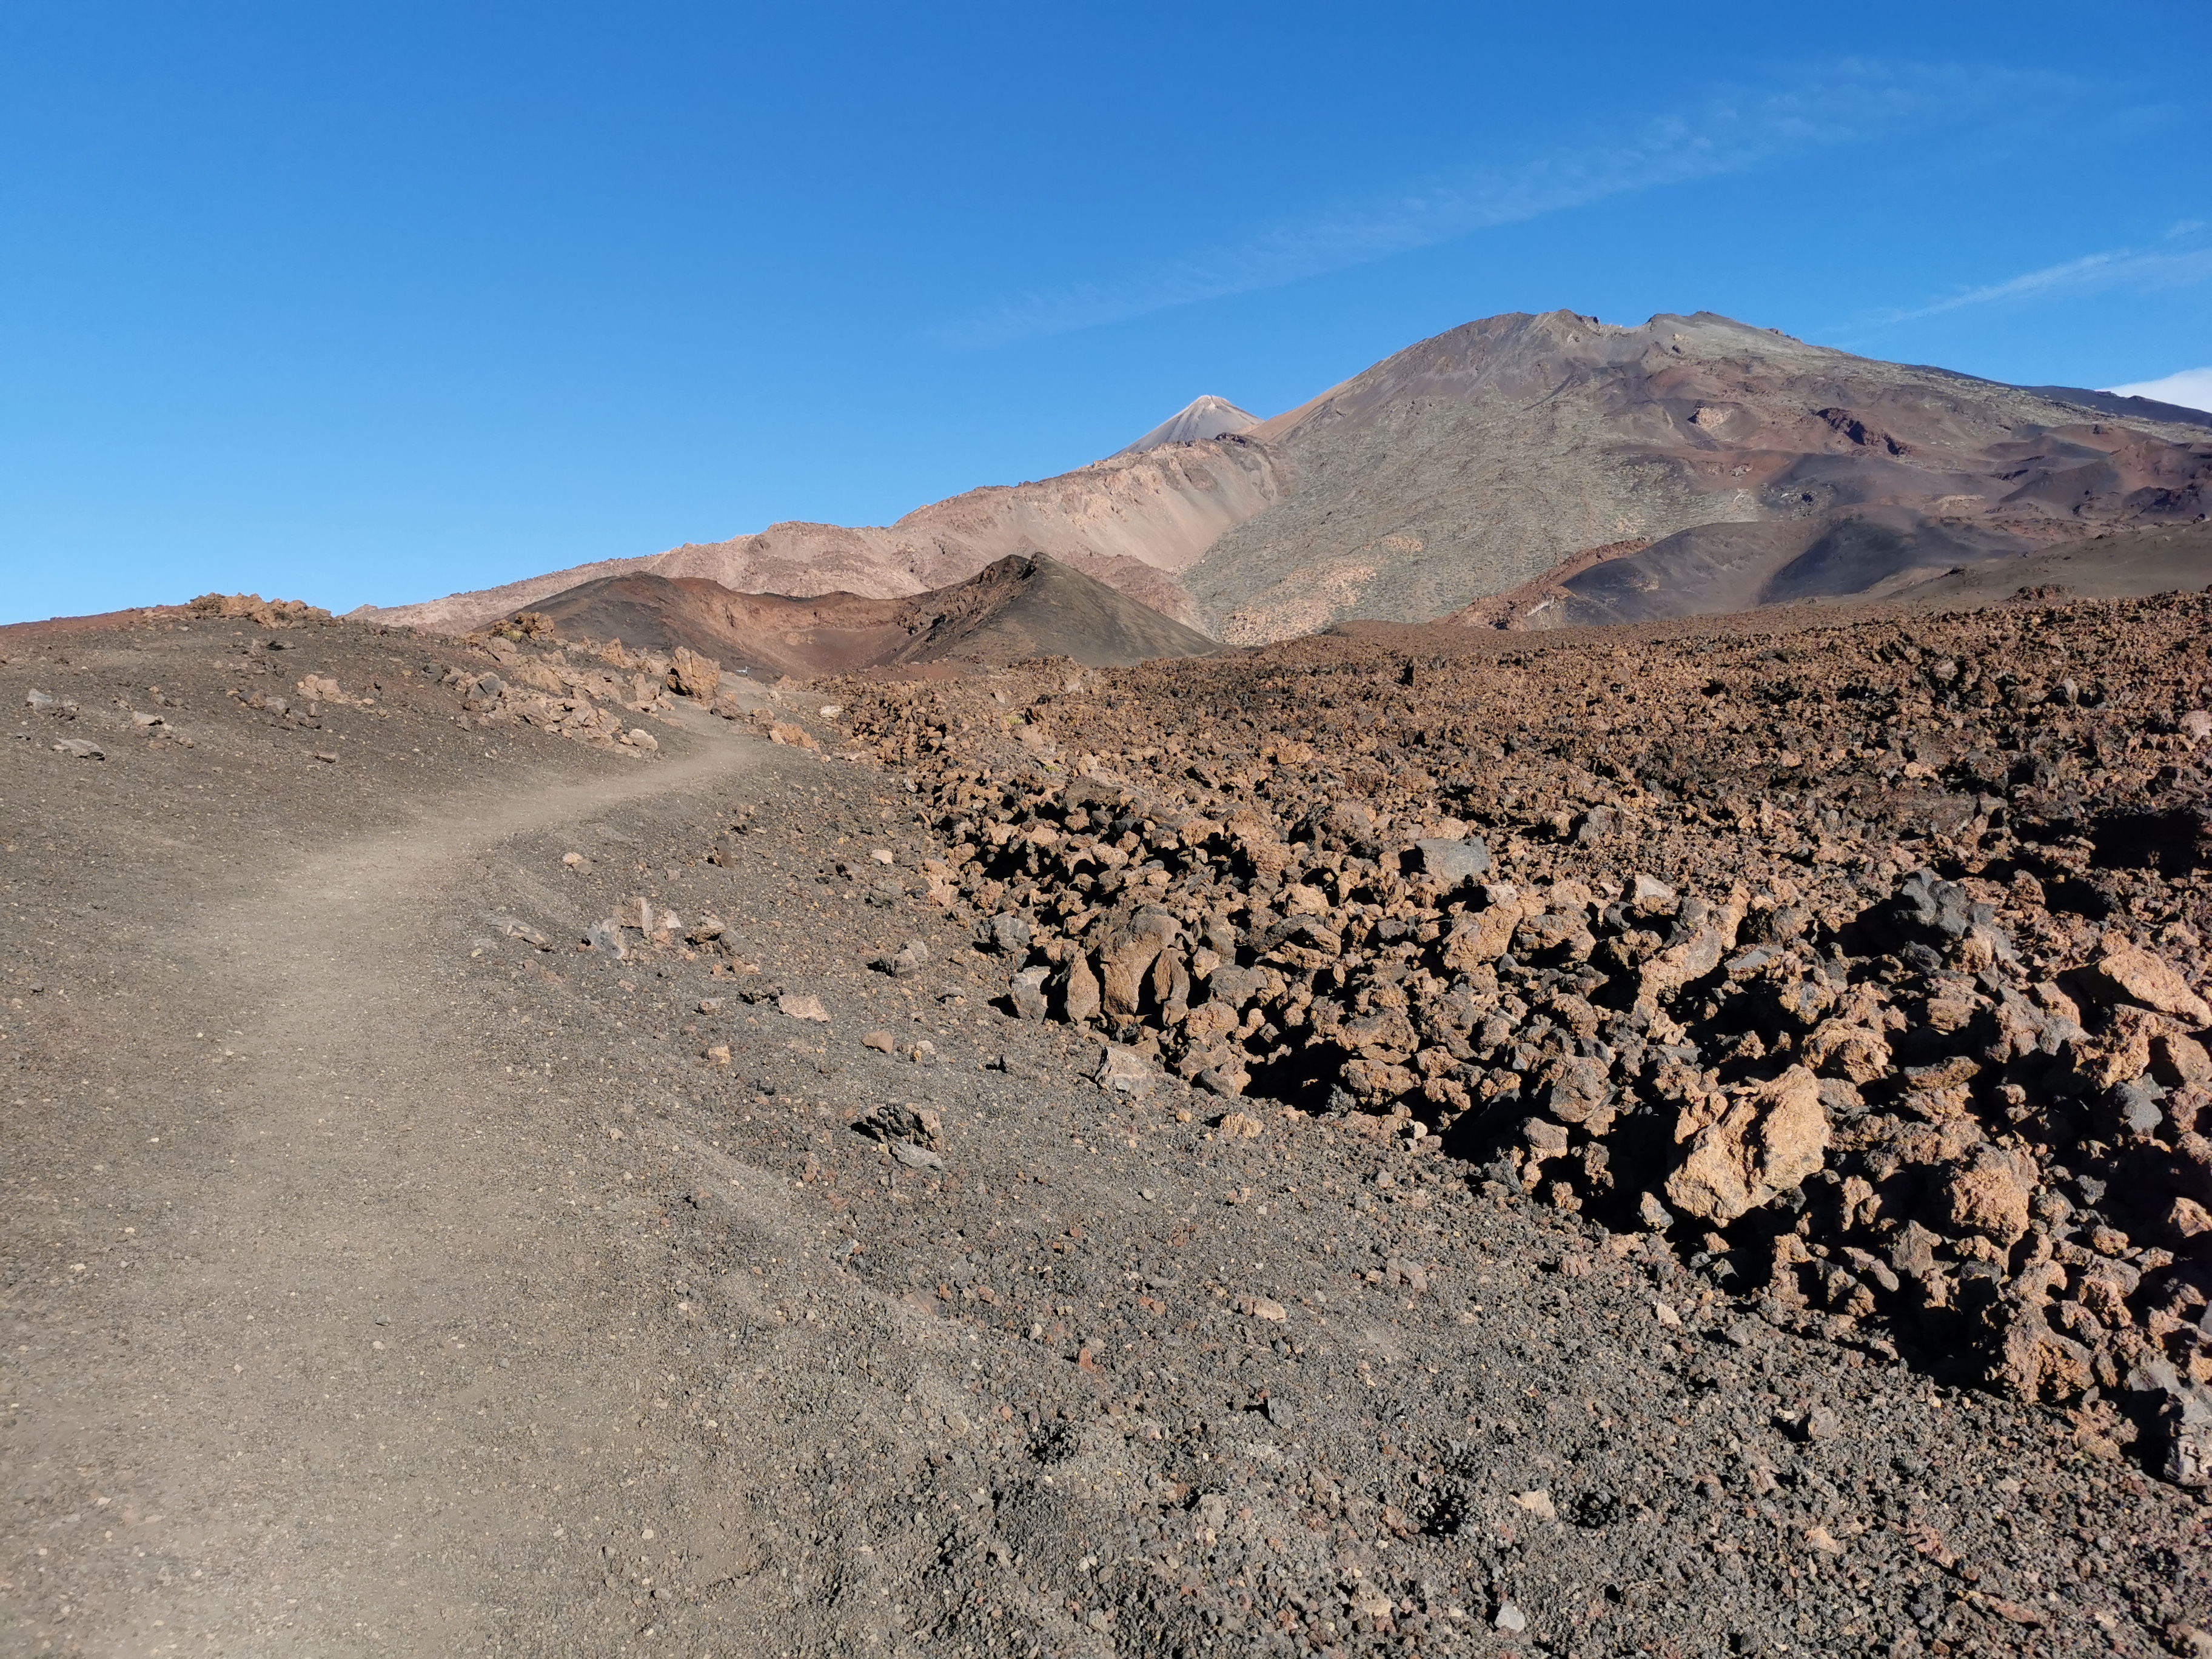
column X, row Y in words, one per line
column 1769, row 1138
column 1134, row 522
column 1695, row 956
column 1857, row 1054
column 695, row 676
column 2138, row 975
column 1081, row 991
column 1127, row 954
column 1453, row 861
column 1123, row 1071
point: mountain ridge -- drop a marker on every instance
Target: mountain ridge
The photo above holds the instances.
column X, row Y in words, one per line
column 1474, row 462
column 1133, row 522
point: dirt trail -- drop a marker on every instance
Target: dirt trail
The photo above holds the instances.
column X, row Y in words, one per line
column 358, row 1389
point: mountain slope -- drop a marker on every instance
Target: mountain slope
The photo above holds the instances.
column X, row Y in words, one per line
column 1016, row 608
column 1727, row 568
column 1481, row 459
column 1132, row 521
column 2128, row 406
column 1039, row 607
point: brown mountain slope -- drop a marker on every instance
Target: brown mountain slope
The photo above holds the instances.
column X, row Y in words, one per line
column 1133, row 521
column 1017, row 608
column 1477, row 460
column 766, row 634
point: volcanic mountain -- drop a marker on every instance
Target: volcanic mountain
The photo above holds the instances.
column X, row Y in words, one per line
column 1195, row 423
column 1014, row 609
column 1477, row 460
column 1753, row 466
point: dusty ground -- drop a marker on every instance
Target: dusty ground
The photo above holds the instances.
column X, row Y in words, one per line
column 379, row 1281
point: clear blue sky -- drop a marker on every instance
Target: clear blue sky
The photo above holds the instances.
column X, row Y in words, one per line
column 374, row 302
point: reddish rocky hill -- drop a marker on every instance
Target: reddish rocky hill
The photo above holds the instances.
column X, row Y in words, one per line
column 1017, row 608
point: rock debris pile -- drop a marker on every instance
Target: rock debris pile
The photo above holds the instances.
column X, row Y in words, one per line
column 252, row 607
column 583, row 691
column 1862, row 963
column 521, row 676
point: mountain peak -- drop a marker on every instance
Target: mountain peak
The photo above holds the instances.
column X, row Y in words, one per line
column 1202, row 417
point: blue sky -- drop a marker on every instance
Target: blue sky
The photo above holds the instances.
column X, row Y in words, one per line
column 356, row 303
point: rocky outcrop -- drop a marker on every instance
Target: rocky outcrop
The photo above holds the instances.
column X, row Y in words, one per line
column 595, row 693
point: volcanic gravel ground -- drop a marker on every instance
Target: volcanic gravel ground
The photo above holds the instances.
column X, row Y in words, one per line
column 389, row 1270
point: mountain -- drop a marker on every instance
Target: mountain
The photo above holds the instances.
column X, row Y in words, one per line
column 1014, row 609
column 1133, row 522
column 1473, row 462
column 1753, row 467
column 1195, row 423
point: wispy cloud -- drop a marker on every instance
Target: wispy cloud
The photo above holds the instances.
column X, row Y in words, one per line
column 1728, row 132
column 2092, row 273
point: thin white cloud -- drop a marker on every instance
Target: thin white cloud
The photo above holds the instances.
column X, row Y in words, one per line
column 2092, row 273
column 1848, row 103
column 2191, row 388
